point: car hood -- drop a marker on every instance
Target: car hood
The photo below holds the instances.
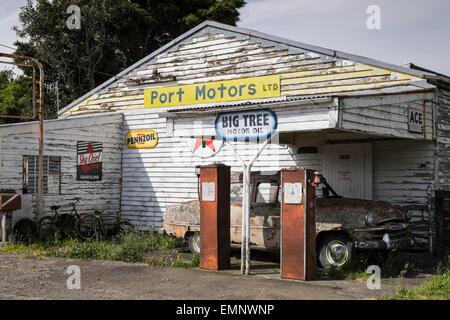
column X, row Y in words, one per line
column 353, row 212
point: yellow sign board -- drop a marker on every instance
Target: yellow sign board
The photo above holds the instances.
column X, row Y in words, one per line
column 141, row 139
column 216, row 91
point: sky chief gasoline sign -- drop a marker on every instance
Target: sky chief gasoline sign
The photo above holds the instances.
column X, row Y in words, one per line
column 246, row 125
column 89, row 161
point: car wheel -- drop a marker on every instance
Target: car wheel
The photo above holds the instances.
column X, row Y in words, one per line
column 194, row 243
column 335, row 250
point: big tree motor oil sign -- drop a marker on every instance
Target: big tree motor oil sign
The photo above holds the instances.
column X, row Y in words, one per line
column 89, row 161
column 246, row 125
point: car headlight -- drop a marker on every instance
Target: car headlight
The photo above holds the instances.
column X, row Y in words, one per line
column 369, row 218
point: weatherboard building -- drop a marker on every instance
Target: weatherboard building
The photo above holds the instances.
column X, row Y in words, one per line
column 374, row 130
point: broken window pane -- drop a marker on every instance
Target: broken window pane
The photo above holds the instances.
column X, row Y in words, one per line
column 51, row 174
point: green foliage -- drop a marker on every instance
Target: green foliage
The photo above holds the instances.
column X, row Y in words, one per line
column 114, row 34
column 195, row 262
column 437, row 288
column 129, row 247
column 390, row 262
column 16, row 96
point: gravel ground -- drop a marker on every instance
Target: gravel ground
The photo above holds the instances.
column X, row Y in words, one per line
column 23, row 278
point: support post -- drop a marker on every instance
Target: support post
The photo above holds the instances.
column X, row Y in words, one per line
column 4, row 236
column 246, row 200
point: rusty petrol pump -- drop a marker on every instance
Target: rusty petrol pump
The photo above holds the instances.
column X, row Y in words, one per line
column 298, row 224
column 214, row 196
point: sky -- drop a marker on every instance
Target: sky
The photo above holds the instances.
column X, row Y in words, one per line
column 413, row 31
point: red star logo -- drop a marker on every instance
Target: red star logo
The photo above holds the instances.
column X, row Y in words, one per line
column 204, row 143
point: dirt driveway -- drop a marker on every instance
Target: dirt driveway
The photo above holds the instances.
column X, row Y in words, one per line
column 46, row 279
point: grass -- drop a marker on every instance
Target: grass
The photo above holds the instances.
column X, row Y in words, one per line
column 437, row 288
column 390, row 263
column 130, row 247
column 162, row 260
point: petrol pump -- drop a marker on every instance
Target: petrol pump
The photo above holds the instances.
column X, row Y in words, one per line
column 298, row 223
column 214, row 196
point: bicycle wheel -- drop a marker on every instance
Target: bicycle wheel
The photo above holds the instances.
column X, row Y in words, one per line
column 24, row 231
column 124, row 227
column 66, row 225
column 47, row 228
column 87, row 226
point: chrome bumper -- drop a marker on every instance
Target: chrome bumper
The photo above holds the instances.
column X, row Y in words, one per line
column 384, row 244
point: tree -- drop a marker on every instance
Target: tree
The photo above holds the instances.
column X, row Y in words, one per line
column 16, row 96
column 113, row 35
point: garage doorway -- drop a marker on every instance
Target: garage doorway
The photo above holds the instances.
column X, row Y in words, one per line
column 348, row 168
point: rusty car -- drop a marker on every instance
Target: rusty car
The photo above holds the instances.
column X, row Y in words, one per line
column 342, row 224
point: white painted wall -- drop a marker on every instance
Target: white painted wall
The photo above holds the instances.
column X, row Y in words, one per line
column 60, row 139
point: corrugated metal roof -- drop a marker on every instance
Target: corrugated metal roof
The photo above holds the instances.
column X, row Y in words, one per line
column 218, row 105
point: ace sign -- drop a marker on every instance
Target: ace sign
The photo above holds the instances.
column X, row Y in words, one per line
column 415, row 120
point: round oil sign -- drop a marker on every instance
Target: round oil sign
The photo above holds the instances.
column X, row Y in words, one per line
column 141, row 139
column 203, row 148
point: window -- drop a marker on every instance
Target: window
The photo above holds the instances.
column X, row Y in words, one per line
column 52, row 172
column 236, row 193
column 267, row 192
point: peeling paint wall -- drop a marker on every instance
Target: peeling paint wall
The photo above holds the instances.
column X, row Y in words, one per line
column 213, row 55
column 60, row 139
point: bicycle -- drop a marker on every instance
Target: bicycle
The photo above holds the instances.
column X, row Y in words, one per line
column 68, row 224
column 119, row 227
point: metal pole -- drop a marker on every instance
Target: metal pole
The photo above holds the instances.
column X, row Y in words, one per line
column 245, row 193
column 246, row 200
column 3, row 228
column 41, row 126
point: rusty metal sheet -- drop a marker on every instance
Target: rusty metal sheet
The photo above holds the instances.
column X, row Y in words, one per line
column 10, row 202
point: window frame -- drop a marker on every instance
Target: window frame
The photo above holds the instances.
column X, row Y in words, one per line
column 46, row 174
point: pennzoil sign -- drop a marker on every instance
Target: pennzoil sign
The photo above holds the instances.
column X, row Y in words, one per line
column 141, row 139
column 89, row 161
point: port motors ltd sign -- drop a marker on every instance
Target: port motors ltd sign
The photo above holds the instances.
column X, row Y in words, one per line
column 246, row 125
column 213, row 92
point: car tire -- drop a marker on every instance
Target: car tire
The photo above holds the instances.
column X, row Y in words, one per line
column 194, row 242
column 335, row 250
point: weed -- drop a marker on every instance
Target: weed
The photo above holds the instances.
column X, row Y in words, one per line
column 195, row 262
column 437, row 288
column 129, row 247
column 156, row 261
column 390, row 263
